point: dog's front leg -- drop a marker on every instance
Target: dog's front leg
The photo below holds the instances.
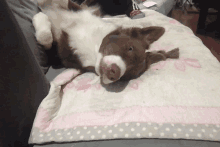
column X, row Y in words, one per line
column 42, row 27
column 161, row 55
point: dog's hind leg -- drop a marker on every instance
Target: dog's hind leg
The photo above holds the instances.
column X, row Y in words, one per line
column 42, row 27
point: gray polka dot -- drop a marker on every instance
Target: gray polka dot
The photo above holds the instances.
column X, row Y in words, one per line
column 132, row 129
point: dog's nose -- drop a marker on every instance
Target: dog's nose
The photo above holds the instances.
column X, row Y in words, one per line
column 113, row 72
column 112, row 67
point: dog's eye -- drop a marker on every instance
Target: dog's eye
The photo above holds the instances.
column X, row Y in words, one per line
column 130, row 48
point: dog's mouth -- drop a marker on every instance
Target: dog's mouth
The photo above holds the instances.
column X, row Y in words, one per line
column 109, row 72
column 110, row 68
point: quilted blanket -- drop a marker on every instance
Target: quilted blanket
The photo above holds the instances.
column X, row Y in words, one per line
column 173, row 99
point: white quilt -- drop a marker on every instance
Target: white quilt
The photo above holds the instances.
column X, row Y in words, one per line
column 173, row 99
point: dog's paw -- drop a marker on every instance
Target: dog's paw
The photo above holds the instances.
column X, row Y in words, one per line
column 45, row 38
column 42, row 27
column 174, row 54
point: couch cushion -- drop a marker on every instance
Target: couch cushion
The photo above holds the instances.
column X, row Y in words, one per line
column 24, row 10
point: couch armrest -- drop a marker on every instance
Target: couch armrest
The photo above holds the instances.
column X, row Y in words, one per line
column 22, row 82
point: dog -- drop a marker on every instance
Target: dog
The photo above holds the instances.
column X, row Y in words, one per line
column 88, row 43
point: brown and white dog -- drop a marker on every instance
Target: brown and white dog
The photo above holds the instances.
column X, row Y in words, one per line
column 87, row 42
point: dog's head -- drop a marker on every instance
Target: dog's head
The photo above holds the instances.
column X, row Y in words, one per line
column 122, row 53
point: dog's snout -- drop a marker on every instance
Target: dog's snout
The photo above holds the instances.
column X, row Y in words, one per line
column 113, row 72
column 112, row 67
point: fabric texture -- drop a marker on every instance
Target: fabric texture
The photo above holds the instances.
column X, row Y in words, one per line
column 137, row 143
column 22, row 82
column 175, row 99
column 24, row 10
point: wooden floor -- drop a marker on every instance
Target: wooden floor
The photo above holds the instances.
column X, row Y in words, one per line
column 190, row 19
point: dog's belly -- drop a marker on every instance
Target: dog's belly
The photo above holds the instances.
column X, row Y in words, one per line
column 86, row 37
column 85, row 33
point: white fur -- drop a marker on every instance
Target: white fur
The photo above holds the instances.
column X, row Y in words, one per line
column 98, row 60
column 43, row 33
column 105, row 80
column 118, row 61
column 86, row 32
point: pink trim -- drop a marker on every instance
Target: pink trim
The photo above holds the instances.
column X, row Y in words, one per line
column 192, row 62
column 171, row 114
column 180, row 65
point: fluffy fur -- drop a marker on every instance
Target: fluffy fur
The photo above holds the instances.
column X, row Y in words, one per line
column 86, row 42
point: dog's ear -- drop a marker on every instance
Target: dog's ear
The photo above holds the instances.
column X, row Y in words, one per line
column 73, row 6
column 152, row 33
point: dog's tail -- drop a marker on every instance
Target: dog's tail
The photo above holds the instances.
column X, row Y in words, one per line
column 45, row 4
column 96, row 10
column 70, row 5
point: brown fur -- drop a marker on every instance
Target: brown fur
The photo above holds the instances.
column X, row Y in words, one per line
column 130, row 44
